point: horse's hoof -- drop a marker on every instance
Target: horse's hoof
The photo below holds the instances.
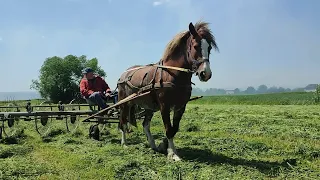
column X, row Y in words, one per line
column 155, row 149
column 162, row 148
column 174, row 157
column 125, row 146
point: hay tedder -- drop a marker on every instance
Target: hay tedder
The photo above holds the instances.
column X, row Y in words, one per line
column 44, row 114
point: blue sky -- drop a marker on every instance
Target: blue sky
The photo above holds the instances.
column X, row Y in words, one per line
column 272, row 42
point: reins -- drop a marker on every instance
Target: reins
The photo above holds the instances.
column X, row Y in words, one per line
column 164, row 67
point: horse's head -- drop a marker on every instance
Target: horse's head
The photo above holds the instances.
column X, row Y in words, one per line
column 200, row 45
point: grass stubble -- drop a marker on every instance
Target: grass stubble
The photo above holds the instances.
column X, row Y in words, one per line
column 215, row 142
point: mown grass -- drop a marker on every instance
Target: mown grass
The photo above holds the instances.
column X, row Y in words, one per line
column 215, row 142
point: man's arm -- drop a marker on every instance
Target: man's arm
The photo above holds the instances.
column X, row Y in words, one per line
column 105, row 86
column 84, row 90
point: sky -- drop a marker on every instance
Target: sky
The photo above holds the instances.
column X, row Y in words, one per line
column 271, row 42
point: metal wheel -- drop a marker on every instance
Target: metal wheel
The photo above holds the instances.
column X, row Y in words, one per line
column 73, row 121
column 0, row 132
column 10, row 127
column 102, row 126
column 43, row 123
column 113, row 113
column 94, row 132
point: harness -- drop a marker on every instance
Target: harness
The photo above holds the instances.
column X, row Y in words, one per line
column 152, row 84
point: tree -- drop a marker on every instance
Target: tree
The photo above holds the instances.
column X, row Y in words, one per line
column 281, row 89
column 273, row 89
column 60, row 77
column 250, row 90
column 262, row 89
column 288, row 90
column 317, row 94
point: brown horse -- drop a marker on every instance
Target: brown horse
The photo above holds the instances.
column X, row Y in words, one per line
column 169, row 84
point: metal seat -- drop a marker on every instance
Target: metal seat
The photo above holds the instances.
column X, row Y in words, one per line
column 113, row 97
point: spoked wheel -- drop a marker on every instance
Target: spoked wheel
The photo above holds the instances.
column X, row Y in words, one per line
column 0, row 132
column 113, row 114
column 10, row 127
column 43, row 123
column 102, row 126
column 73, row 121
column 94, row 132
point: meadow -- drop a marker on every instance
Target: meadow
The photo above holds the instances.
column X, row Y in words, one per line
column 273, row 136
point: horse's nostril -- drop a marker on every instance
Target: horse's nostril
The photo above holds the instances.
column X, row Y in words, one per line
column 202, row 75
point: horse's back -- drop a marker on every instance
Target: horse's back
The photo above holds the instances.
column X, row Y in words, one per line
column 126, row 73
column 136, row 74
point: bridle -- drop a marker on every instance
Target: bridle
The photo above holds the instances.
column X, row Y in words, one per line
column 194, row 63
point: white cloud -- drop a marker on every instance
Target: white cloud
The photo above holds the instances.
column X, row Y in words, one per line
column 160, row 2
column 157, row 3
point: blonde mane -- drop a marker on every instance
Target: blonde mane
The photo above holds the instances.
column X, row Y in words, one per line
column 177, row 44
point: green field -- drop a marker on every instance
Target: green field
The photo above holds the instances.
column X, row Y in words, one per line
column 291, row 98
column 220, row 137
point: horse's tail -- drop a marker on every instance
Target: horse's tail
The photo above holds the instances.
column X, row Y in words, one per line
column 132, row 119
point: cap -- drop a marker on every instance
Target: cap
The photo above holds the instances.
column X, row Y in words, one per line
column 87, row 70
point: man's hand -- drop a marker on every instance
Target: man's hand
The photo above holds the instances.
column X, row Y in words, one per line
column 102, row 94
column 108, row 93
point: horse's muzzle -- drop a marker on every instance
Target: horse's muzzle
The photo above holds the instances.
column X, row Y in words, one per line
column 204, row 71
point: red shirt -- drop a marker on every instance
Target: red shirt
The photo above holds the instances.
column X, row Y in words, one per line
column 87, row 87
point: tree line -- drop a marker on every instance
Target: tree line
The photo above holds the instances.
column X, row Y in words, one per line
column 262, row 89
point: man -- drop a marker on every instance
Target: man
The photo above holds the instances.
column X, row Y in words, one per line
column 94, row 89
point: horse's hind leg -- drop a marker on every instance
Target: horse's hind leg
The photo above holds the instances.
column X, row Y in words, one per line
column 124, row 112
column 146, row 128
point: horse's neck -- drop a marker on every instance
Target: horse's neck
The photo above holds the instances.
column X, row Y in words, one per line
column 181, row 62
column 180, row 58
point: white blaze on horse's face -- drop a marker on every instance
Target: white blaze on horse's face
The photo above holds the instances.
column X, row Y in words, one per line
column 204, row 70
column 205, row 49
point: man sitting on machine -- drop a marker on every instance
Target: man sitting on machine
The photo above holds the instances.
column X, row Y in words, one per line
column 94, row 89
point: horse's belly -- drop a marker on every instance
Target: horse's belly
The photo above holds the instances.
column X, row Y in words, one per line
column 146, row 102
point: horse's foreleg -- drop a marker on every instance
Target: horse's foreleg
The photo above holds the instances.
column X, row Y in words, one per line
column 176, row 118
column 146, row 128
column 171, row 150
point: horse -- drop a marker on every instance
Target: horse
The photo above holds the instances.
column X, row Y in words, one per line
column 169, row 84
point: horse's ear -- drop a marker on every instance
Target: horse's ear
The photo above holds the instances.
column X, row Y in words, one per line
column 192, row 30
